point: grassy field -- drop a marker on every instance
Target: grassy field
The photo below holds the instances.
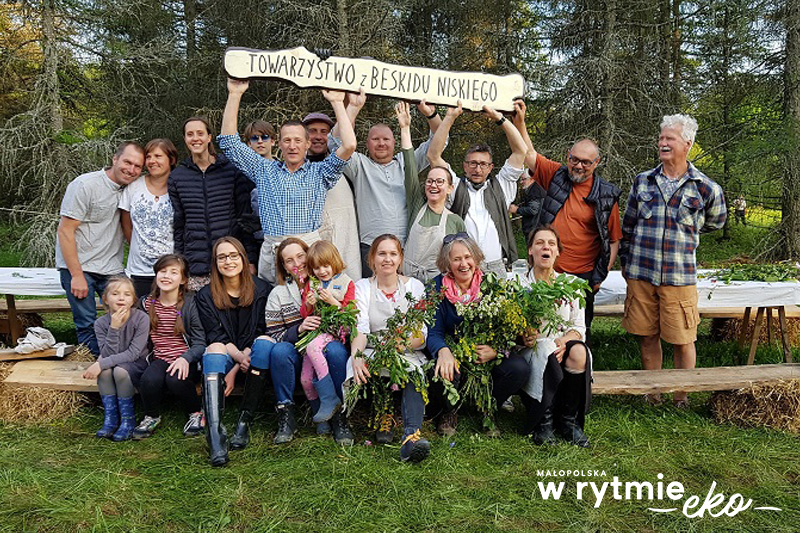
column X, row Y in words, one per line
column 57, row 477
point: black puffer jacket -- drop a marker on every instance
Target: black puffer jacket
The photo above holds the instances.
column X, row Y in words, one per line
column 209, row 205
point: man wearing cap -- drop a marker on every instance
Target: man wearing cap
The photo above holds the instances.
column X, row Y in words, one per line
column 379, row 178
column 291, row 193
column 339, row 223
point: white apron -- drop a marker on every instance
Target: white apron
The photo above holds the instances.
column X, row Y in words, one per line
column 379, row 313
column 423, row 246
column 266, row 259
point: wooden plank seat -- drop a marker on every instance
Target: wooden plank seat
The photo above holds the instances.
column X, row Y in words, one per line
column 43, row 305
column 792, row 311
column 66, row 375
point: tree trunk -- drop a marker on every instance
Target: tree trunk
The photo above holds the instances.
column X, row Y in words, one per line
column 190, row 14
column 607, row 83
column 344, row 28
column 676, row 55
column 49, row 89
column 791, row 181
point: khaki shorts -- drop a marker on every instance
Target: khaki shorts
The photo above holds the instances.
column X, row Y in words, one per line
column 664, row 310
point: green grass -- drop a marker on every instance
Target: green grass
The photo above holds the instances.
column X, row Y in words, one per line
column 58, row 477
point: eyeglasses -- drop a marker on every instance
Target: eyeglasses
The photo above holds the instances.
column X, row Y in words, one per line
column 460, row 236
column 256, row 138
column 435, row 181
column 224, row 258
column 585, row 162
column 474, row 164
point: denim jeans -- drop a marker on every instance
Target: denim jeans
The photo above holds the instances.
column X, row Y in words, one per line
column 84, row 310
column 285, row 364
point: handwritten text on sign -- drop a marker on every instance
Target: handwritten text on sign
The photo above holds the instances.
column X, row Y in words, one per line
column 305, row 69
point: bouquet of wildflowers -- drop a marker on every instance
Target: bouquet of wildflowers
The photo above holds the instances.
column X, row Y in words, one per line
column 337, row 321
column 539, row 302
column 389, row 345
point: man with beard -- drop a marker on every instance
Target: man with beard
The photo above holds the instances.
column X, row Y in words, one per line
column 339, row 223
column 582, row 207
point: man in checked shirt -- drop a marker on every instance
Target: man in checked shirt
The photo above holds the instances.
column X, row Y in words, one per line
column 667, row 209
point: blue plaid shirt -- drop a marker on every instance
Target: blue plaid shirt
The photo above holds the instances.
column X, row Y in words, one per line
column 659, row 237
column 289, row 203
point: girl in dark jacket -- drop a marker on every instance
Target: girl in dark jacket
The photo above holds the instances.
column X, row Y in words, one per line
column 210, row 199
column 232, row 313
column 178, row 344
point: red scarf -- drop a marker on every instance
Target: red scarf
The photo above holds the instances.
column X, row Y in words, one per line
column 454, row 294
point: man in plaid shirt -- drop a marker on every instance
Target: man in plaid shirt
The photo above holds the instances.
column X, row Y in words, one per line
column 667, row 209
column 292, row 192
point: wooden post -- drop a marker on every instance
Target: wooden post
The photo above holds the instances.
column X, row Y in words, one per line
column 745, row 328
column 754, row 338
column 769, row 326
column 14, row 325
column 787, row 350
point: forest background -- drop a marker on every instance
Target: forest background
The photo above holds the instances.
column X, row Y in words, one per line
column 78, row 76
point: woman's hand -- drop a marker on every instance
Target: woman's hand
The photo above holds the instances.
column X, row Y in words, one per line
column 309, row 324
column 327, row 296
column 120, row 316
column 93, row 371
column 230, row 380
column 561, row 346
column 243, row 358
column 485, row 353
column 311, row 300
column 445, row 365
column 360, row 370
column 179, row 365
column 237, row 86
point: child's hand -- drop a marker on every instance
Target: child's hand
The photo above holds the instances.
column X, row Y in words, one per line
column 311, row 299
column 230, row 379
column 120, row 316
column 179, row 365
column 93, row 371
column 327, row 297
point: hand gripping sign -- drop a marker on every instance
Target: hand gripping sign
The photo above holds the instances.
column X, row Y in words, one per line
column 306, row 69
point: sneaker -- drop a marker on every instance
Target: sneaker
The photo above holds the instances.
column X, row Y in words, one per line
column 414, row 448
column 146, row 427
column 384, row 433
column 341, row 431
column 447, row 424
column 194, row 426
column 508, row 406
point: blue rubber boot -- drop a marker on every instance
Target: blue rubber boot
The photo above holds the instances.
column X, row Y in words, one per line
column 323, row 428
column 111, row 417
column 329, row 401
column 127, row 419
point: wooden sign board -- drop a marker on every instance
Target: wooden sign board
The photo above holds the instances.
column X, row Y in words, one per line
column 306, row 69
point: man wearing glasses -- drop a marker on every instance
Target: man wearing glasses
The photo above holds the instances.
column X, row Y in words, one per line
column 481, row 199
column 582, row 207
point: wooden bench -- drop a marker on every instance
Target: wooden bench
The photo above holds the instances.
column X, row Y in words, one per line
column 66, row 375
column 10, row 324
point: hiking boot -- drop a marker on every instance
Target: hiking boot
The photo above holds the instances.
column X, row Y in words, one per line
column 194, row 426
column 287, row 425
column 146, row 427
column 543, row 432
column 508, row 406
column 447, row 425
column 414, row 448
column 384, row 433
column 341, row 430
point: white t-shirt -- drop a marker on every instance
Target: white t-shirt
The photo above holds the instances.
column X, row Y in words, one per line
column 152, row 236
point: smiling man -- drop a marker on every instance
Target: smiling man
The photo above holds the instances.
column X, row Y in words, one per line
column 582, row 207
column 291, row 193
column 89, row 242
column 668, row 207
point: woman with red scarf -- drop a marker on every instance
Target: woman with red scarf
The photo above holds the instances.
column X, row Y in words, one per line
column 460, row 260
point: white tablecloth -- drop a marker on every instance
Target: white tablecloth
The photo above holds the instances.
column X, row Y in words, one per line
column 30, row 281
column 713, row 294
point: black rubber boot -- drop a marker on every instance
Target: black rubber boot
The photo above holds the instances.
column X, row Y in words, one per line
column 543, row 431
column 254, row 387
column 570, row 393
column 214, row 406
column 287, row 424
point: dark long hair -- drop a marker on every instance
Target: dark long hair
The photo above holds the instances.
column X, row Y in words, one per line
column 155, row 293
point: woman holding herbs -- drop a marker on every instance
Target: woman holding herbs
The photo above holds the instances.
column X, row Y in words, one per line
column 377, row 299
column 461, row 283
column 559, row 387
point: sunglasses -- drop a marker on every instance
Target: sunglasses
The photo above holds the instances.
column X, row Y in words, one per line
column 256, row 138
column 460, row 236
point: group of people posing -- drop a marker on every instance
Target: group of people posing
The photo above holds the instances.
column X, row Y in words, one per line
column 202, row 300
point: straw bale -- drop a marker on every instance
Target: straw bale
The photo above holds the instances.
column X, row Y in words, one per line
column 728, row 329
column 771, row 405
column 40, row 405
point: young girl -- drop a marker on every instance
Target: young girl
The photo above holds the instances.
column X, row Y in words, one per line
column 178, row 344
column 122, row 338
column 336, row 289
